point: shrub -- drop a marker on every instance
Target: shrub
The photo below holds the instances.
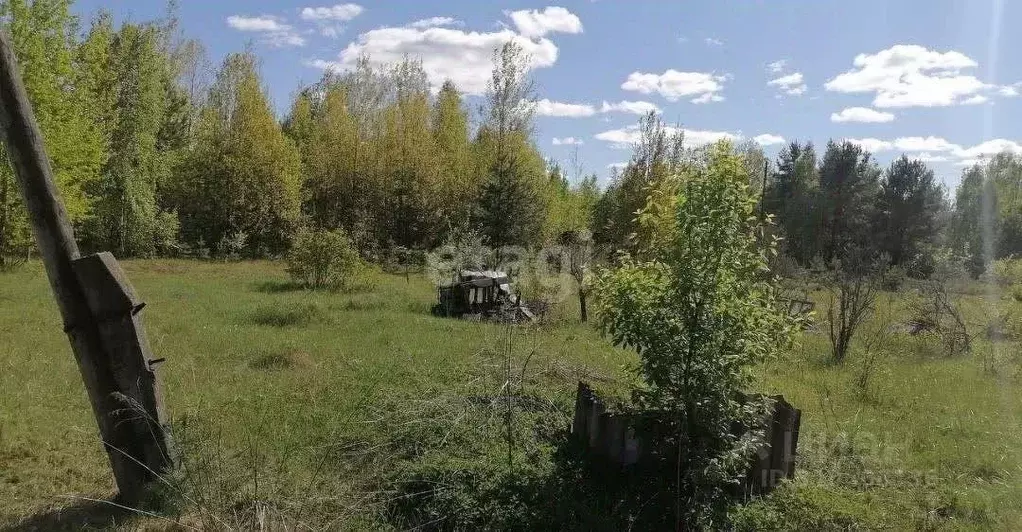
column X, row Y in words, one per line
column 165, row 233
column 323, row 259
column 231, row 246
column 893, row 278
column 1007, row 272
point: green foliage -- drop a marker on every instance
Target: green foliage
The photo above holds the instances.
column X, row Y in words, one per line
column 909, row 210
column 323, row 259
column 1007, row 272
column 657, row 155
column 700, row 312
column 849, row 180
column 43, row 37
column 242, row 175
column 126, row 213
column 512, row 206
column 792, row 196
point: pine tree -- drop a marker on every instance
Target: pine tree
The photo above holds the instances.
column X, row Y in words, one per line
column 511, row 206
column 792, row 195
column 909, row 208
column 848, row 183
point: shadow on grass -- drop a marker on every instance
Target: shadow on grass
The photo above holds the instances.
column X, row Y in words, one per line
column 290, row 314
column 278, row 287
column 83, row 515
column 575, row 493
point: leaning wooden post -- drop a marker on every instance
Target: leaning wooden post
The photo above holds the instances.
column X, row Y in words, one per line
column 98, row 306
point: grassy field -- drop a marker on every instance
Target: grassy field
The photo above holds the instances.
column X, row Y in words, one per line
column 361, row 411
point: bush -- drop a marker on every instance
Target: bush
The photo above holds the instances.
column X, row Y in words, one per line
column 1007, row 272
column 323, row 259
column 893, row 278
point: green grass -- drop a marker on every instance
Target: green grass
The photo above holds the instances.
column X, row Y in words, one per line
column 255, row 367
column 314, row 407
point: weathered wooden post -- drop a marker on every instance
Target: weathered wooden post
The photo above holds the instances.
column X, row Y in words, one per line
column 97, row 304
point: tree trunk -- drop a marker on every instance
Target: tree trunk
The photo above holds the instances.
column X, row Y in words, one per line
column 582, row 310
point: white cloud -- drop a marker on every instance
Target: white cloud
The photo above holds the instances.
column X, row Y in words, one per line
column 546, row 107
column 766, row 139
column 567, row 141
column 936, row 149
column 790, row 84
column 989, row 148
column 1008, row 91
column 273, row 30
column 535, row 23
column 907, row 75
column 712, row 41
column 626, row 137
column 871, row 144
column 616, row 166
column 778, row 66
column 975, row 99
column 336, row 13
column 675, row 85
column 707, row 98
column 927, row 144
column 464, row 57
column 263, row 23
column 861, row 114
column 928, row 157
column 434, row 22
column 626, row 106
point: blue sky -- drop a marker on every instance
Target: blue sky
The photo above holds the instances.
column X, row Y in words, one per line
column 937, row 79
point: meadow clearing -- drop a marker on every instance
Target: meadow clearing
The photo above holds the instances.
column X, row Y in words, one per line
column 321, row 410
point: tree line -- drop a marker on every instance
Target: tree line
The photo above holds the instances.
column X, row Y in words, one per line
column 157, row 154
column 841, row 206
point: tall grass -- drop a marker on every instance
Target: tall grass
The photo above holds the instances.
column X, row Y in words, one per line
column 299, row 410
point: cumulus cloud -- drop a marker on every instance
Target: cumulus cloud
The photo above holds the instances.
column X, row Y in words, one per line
column 547, row 107
column 928, row 157
column 273, row 31
column 778, row 66
column 861, row 114
column 626, row 137
column 336, row 13
column 464, row 57
column 975, row 100
column 433, row 22
column 329, row 19
column 535, row 23
column 871, row 144
column 790, row 84
column 633, row 107
column 937, row 149
column 673, row 85
column 712, row 41
column 767, row 139
column 908, row 75
column 567, row 141
column 263, row 23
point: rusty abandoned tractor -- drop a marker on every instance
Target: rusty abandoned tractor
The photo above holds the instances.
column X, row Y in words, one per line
column 481, row 295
